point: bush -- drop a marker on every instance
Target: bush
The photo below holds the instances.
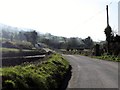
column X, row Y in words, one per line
column 109, row 57
column 46, row 76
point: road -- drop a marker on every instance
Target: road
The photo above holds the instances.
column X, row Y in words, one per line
column 92, row 73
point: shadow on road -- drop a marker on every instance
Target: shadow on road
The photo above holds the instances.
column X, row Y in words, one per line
column 68, row 77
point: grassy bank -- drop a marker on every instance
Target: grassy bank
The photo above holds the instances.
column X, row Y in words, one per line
column 108, row 57
column 46, row 76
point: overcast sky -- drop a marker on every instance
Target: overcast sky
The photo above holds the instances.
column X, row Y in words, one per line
column 69, row 18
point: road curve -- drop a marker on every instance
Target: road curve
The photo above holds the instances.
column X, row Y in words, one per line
column 92, row 73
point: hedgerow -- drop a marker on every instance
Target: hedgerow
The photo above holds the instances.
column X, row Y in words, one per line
column 46, row 76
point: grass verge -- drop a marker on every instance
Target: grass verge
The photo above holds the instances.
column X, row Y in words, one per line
column 108, row 57
column 46, row 76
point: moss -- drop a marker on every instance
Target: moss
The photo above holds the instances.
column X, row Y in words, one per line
column 9, row 84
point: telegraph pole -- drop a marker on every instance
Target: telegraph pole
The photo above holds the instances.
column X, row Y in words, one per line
column 107, row 15
column 108, row 32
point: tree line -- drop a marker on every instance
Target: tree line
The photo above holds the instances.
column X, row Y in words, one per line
column 55, row 42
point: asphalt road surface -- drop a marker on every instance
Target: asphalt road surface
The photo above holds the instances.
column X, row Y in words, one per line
column 92, row 73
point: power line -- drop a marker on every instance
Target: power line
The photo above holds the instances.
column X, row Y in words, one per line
column 92, row 17
column 95, row 15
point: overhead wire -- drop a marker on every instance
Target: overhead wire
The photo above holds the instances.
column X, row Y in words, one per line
column 98, row 13
column 95, row 15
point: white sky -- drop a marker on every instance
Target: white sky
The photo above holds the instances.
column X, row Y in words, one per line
column 69, row 18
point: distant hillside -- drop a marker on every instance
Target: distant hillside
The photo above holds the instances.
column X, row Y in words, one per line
column 19, row 34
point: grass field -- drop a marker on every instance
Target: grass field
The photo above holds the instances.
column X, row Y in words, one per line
column 8, row 50
column 12, row 50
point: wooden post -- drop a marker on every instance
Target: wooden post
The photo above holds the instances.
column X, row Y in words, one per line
column 108, row 31
column 107, row 15
column 97, row 50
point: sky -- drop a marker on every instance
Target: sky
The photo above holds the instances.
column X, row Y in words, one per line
column 68, row 18
column 119, row 18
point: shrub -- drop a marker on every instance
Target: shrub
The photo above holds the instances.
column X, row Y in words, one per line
column 109, row 57
column 46, row 76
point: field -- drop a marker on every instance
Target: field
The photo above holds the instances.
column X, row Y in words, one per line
column 12, row 52
column 5, row 50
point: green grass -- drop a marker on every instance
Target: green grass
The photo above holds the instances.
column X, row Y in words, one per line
column 108, row 57
column 46, row 76
column 8, row 50
column 16, row 44
column 2, row 39
column 11, row 50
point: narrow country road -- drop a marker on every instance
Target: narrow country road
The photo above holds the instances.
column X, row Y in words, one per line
column 92, row 73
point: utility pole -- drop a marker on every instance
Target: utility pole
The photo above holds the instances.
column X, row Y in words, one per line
column 108, row 32
column 107, row 15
